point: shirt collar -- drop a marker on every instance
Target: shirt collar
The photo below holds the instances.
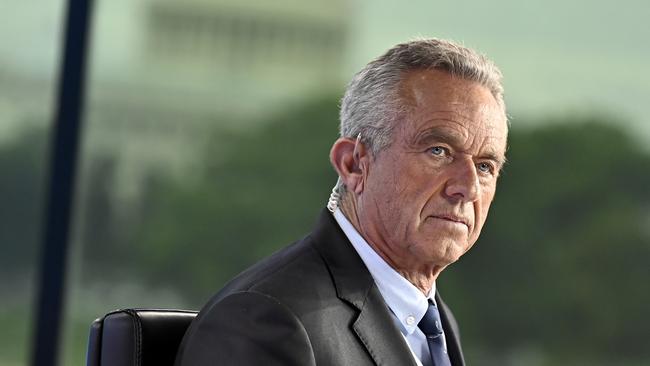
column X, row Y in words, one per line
column 404, row 299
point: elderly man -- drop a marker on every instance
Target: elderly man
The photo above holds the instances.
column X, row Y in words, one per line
column 423, row 138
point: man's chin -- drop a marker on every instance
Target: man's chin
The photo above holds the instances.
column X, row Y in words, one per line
column 451, row 254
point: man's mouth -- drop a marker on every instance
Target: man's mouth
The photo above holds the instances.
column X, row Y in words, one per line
column 453, row 218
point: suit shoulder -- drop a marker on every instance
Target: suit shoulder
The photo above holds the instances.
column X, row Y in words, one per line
column 246, row 328
column 293, row 272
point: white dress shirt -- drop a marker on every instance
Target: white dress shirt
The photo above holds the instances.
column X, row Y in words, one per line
column 407, row 303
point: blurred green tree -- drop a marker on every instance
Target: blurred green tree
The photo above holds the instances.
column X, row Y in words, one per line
column 22, row 181
column 260, row 190
column 22, row 163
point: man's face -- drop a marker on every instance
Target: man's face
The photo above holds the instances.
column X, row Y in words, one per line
column 425, row 197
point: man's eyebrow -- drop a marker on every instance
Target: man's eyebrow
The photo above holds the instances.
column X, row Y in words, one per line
column 443, row 135
column 436, row 134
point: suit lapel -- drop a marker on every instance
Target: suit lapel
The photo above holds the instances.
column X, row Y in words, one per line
column 376, row 329
column 374, row 324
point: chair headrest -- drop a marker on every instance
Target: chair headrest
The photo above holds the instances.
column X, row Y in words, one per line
column 137, row 337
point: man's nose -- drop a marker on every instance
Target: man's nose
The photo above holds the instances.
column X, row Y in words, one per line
column 463, row 181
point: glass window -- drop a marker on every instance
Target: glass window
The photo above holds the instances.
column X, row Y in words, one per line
column 207, row 128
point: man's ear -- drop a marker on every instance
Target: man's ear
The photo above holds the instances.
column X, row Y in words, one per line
column 350, row 160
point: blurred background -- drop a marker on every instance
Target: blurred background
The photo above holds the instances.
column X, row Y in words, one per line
column 205, row 147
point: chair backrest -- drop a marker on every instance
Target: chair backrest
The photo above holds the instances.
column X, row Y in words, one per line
column 137, row 337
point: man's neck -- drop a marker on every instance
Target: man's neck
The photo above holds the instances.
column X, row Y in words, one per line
column 422, row 278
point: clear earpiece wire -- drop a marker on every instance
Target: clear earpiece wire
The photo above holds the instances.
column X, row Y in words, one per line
column 333, row 202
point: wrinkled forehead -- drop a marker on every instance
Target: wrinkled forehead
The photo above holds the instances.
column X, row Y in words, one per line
column 464, row 108
column 421, row 86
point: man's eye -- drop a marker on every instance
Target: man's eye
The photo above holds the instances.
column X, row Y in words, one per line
column 438, row 151
column 485, row 167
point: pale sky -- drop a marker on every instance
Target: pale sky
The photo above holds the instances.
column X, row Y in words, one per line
column 557, row 56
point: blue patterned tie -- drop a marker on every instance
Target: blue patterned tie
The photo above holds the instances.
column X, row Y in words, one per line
column 431, row 326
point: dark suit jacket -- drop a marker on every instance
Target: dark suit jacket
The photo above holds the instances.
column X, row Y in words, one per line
column 312, row 303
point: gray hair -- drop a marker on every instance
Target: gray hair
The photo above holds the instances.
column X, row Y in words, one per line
column 371, row 106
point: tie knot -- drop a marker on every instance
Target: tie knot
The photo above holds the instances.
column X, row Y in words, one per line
column 430, row 324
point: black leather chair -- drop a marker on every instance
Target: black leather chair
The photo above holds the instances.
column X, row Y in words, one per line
column 137, row 337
